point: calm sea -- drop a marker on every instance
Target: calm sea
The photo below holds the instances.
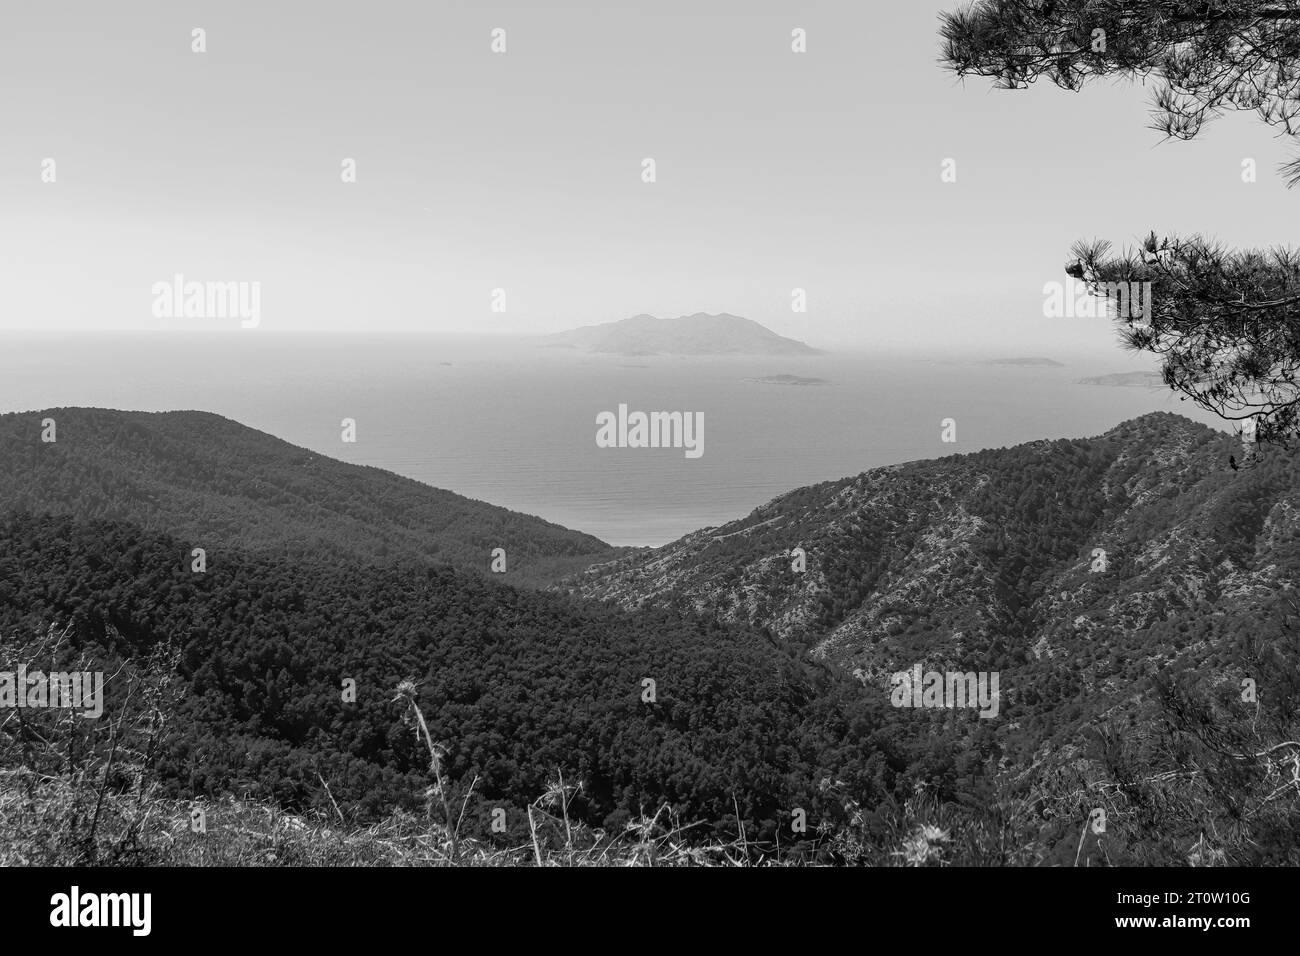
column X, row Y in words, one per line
column 514, row 424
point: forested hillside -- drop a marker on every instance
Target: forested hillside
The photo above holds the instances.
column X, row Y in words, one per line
column 520, row 684
column 1030, row 551
column 750, row 697
column 221, row 484
column 1108, row 581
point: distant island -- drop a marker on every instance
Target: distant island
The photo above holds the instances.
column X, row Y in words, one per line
column 1031, row 362
column 789, row 380
column 1147, row 379
column 698, row 334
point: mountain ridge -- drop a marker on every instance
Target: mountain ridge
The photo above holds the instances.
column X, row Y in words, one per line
column 1073, row 567
column 224, row 483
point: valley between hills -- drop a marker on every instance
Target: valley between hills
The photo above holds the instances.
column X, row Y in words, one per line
column 1134, row 683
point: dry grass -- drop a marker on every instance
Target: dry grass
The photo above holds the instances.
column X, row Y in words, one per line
column 48, row 828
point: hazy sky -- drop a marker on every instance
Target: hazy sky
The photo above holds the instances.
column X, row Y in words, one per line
column 522, row 170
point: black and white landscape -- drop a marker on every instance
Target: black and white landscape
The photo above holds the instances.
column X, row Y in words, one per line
column 667, row 434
